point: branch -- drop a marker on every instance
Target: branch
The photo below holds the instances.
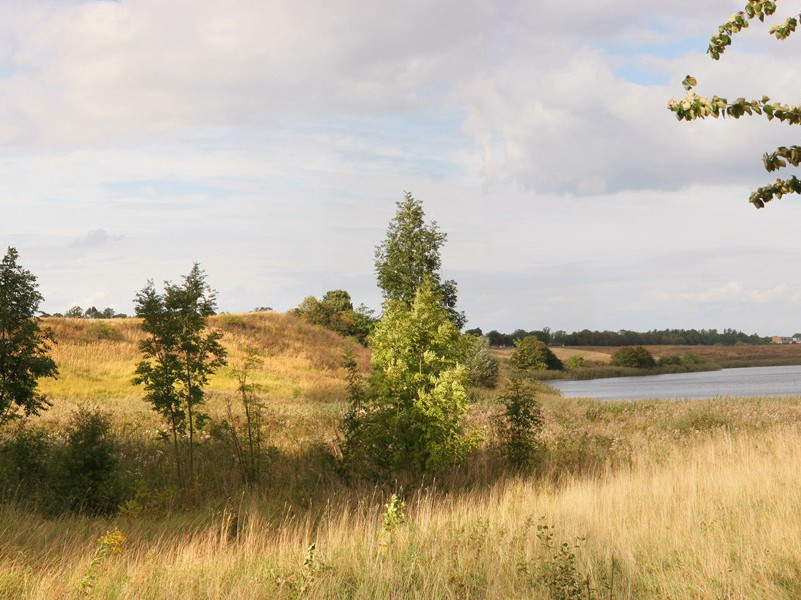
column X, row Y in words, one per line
column 694, row 107
column 737, row 22
column 776, row 189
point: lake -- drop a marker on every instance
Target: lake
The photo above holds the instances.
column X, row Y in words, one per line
column 751, row 381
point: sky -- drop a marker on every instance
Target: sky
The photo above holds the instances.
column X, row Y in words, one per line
column 269, row 140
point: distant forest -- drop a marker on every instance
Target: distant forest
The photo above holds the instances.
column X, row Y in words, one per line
column 664, row 337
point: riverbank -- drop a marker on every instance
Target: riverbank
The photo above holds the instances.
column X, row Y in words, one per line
column 597, row 360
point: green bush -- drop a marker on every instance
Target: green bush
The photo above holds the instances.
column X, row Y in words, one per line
column 574, row 362
column 669, row 360
column 520, row 423
column 482, row 366
column 531, row 354
column 690, row 359
column 24, row 462
column 87, row 478
column 636, row 357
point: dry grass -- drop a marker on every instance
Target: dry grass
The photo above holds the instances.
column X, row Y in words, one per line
column 715, row 519
column 671, row 499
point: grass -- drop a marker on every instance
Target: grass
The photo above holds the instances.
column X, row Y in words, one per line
column 653, row 499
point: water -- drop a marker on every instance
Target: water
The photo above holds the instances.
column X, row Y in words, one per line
column 752, row 381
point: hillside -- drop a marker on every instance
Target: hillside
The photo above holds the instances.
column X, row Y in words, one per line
column 300, row 367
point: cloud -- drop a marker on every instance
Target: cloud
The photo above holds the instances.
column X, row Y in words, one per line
column 732, row 291
column 94, row 238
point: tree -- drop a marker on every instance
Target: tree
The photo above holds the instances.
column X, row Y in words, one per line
column 531, row 353
column 482, row 366
column 636, row 357
column 410, row 254
column 409, row 416
column 694, row 106
column 24, row 345
column 520, row 424
column 179, row 353
column 335, row 312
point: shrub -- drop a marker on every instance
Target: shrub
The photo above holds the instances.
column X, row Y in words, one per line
column 636, row 357
column 520, row 423
column 574, row 362
column 87, row 478
column 669, row 360
column 24, row 460
column 690, row 359
column 531, row 353
column 482, row 366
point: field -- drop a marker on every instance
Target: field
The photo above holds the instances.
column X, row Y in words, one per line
column 652, row 499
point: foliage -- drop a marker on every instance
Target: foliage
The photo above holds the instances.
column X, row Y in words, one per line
column 482, row 366
column 409, row 416
column 24, row 346
column 636, row 357
column 574, row 361
column 690, row 337
column 394, row 514
column 179, row 354
column 87, row 476
column 690, row 359
column 531, row 353
column 694, row 106
column 335, row 312
column 109, row 544
column 410, row 254
column 247, row 429
column 520, row 424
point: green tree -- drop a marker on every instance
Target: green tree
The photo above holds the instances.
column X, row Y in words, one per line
column 520, row 424
column 636, row 357
column 531, row 353
column 179, row 353
column 410, row 254
column 482, row 366
column 694, row 106
column 24, row 345
column 409, row 416
column 335, row 312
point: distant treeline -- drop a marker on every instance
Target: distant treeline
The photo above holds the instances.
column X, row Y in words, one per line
column 664, row 337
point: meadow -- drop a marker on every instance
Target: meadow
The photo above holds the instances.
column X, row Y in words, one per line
column 646, row 499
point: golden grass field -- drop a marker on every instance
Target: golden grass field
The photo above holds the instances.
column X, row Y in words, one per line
column 655, row 499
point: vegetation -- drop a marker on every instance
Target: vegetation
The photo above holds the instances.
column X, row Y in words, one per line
column 694, row 106
column 335, row 312
column 483, row 368
column 24, row 345
column 410, row 255
column 532, row 354
column 410, row 416
column 520, row 424
column 179, row 355
column 635, row 357
column 664, row 337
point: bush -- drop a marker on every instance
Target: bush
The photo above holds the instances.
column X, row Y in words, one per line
column 520, row 423
column 482, row 366
column 87, row 478
column 636, row 357
column 690, row 359
column 669, row 360
column 574, row 362
column 531, row 353
column 24, row 461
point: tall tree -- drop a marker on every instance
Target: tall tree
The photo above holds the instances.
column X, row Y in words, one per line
column 24, row 345
column 179, row 354
column 694, row 106
column 410, row 254
column 409, row 416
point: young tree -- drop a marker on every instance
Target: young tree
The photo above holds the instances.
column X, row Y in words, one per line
column 24, row 346
column 409, row 416
column 179, row 354
column 531, row 353
column 694, row 106
column 410, row 254
column 520, row 424
column 636, row 357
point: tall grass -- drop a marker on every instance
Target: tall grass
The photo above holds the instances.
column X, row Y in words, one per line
column 651, row 499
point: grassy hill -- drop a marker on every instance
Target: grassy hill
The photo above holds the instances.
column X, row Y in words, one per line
column 654, row 499
column 300, row 375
